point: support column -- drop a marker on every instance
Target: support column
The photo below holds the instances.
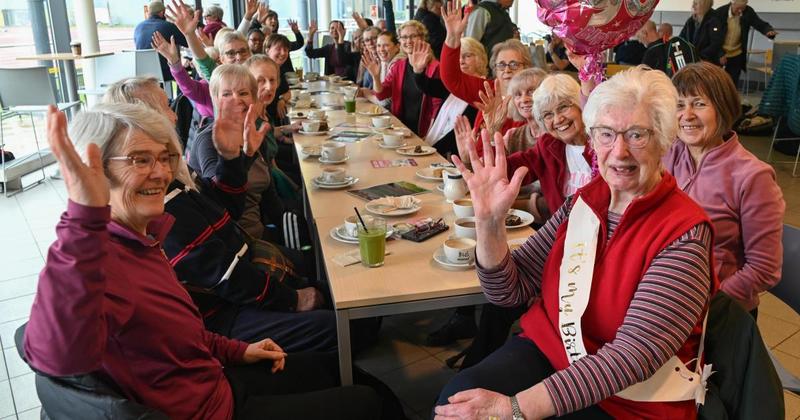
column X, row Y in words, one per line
column 61, row 39
column 515, row 12
column 324, row 14
column 41, row 38
column 87, row 35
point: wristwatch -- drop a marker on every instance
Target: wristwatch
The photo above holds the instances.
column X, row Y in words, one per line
column 516, row 413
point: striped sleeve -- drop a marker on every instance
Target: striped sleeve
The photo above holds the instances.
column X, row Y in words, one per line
column 518, row 278
column 666, row 306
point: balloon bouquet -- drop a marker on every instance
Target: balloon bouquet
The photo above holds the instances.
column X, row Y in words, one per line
column 589, row 27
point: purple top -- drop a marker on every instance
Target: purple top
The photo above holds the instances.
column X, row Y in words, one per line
column 109, row 302
column 196, row 90
column 745, row 204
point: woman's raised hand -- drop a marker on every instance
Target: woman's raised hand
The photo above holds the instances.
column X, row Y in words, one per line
column 420, row 56
column 250, row 9
column 252, row 136
column 371, row 63
column 312, row 29
column 491, row 191
column 493, row 106
column 293, row 25
column 454, row 23
column 228, row 133
column 464, row 138
column 167, row 49
column 86, row 182
column 181, row 15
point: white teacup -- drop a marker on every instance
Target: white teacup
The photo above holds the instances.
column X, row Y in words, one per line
column 351, row 224
column 393, row 138
column 317, row 114
column 333, row 175
column 460, row 250
column 310, row 126
column 382, row 121
column 463, row 207
column 292, row 80
column 465, row 227
column 333, row 151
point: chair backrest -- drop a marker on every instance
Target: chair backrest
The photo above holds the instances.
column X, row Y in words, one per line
column 146, row 63
column 26, row 87
column 788, row 289
column 83, row 396
column 110, row 68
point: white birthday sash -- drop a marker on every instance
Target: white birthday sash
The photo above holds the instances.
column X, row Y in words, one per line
column 673, row 381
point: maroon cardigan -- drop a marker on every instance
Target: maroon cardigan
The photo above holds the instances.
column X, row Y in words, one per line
column 547, row 162
column 393, row 88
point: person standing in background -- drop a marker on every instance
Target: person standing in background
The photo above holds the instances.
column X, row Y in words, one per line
column 703, row 30
column 490, row 23
column 665, row 31
column 429, row 13
column 656, row 55
column 736, row 18
column 157, row 22
column 213, row 15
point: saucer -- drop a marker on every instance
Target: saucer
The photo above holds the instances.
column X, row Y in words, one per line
column 340, row 234
column 311, row 151
column 409, row 151
column 430, row 174
column 333, row 162
column 440, row 258
column 374, row 112
column 375, row 208
column 526, row 217
column 312, row 133
column 350, row 181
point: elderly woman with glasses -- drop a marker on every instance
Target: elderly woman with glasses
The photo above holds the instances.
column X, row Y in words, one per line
column 736, row 189
column 607, row 322
column 109, row 303
column 415, row 108
column 507, row 59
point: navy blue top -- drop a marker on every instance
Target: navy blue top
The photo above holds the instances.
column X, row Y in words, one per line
column 143, row 34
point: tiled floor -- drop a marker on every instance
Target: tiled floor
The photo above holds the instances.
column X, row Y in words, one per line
column 415, row 372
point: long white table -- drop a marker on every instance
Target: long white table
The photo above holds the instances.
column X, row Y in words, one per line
column 410, row 280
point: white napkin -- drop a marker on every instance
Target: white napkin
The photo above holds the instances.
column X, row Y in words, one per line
column 350, row 258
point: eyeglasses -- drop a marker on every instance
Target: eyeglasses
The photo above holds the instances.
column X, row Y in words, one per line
column 635, row 137
column 368, row 40
column 513, row 66
column 409, row 37
column 144, row 162
column 562, row 109
column 234, row 53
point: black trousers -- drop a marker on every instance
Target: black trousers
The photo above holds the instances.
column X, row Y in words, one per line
column 306, row 389
column 516, row 366
column 734, row 67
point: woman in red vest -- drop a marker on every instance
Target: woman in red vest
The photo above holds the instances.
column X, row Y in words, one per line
column 617, row 281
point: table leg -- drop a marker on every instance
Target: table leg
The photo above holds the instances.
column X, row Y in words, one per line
column 345, row 358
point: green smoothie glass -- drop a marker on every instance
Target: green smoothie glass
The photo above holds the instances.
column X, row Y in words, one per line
column 350, row 105
column 372, row 242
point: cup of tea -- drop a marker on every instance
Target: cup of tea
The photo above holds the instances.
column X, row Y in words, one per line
column 372, row 242
column 382, row 121
column 351, row 224
column 333, row 175
column 76, row 48
column 333, row 151
column 465, row 227
column 311, row 126
column 393, row 138
column 460, row 250
column 463, row 207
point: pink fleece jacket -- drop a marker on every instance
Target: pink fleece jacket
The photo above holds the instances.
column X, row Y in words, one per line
column 745, row 204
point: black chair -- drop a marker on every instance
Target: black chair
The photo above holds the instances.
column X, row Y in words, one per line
column 83, row 396
column 788, row 290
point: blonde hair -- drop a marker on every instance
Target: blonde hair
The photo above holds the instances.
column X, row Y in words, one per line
column 704, row 6
column 522, row 81
column 416, row 25
column 236, row 73
column 642, row 88
column 471, row 45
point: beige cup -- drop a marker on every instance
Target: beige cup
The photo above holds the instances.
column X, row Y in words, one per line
column 310, row 126
column 460, row 250
column 351, row 224
column 333, row 151
column 393, row 138
column 333, row 175
column 382, row 121
column 463, row 207
column 465, row 228
column 76, row 48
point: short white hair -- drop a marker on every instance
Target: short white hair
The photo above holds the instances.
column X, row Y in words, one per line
column 553, row 90
column 638, row 88
column 109, row 126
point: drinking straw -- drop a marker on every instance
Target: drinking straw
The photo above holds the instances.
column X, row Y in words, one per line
column 361, row 220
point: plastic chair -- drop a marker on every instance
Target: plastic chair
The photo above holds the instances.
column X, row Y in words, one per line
column 26, row 91
column 83, row 396
column 788, row 291
column 784, row 133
